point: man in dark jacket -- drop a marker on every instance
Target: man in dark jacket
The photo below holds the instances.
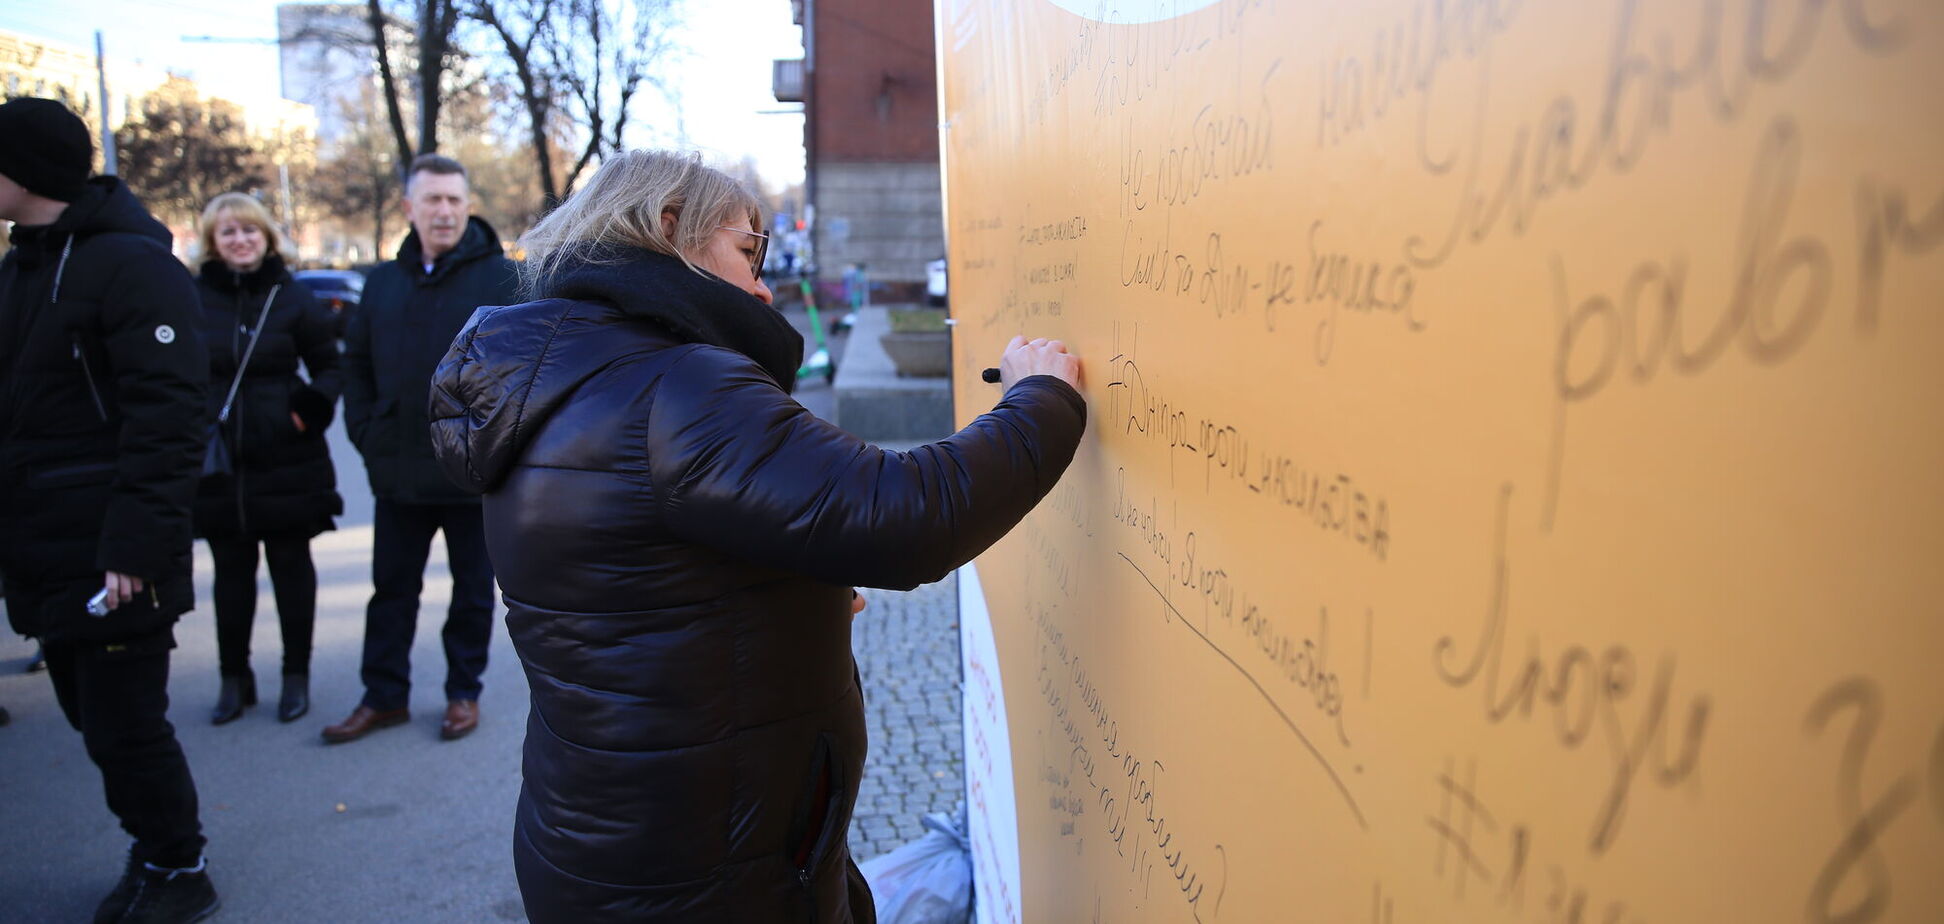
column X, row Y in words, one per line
column 413, row 306
column 102, row 381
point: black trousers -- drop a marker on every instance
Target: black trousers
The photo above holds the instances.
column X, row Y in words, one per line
column 293, row 580
column 401, row 542
column 117, row 697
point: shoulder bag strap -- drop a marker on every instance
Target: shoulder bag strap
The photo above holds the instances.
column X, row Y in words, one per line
column 244, row 363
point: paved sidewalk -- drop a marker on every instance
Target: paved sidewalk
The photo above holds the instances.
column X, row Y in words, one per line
column 907, row 649
column 399, row 826
column 425, row 826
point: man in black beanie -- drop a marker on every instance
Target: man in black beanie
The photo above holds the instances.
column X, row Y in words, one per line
column 102, row 381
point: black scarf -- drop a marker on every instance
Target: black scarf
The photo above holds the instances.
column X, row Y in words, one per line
column 694, row 307
column 224, row 279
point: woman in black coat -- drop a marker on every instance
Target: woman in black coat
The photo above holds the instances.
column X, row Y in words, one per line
column 676, row 540
column 280, row 489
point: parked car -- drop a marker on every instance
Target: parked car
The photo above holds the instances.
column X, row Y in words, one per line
column 339, row 290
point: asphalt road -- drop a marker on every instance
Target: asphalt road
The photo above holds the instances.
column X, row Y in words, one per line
column 399, row 826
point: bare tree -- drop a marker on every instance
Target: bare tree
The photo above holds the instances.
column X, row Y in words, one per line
column 381, row 43
column 360, row 181
column 180, row 150
column 521, row 26
column 433, row 47
column 626, row 41
column 437, row 19
column 579, row 65
column 505, row 187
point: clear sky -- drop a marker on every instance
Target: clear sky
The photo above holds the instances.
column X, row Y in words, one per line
column 724, row 79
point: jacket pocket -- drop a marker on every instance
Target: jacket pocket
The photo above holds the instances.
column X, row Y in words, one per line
column 65, row 620
column 819, row 820
column 376, row 433
column 142, row 644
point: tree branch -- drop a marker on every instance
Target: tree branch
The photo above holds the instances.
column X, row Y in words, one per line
column 376, row 16
column 535, row 95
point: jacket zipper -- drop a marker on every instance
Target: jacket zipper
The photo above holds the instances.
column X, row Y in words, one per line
column 826, row 835
column 818, row 852
column 242, row 366
column 87, row 372
column 54, row 298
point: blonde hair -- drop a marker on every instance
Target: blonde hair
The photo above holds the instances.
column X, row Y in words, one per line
column 622, row 205
column 243, row 208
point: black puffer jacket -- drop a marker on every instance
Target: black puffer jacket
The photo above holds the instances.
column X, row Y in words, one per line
column 284, row 484
column 102, row 382
column 404, row 323
column 676, row 539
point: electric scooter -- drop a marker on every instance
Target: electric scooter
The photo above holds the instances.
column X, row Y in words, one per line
column 819, row 361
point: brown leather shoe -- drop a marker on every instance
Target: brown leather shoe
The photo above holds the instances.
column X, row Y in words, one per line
column 363, row 721
column 462, row 716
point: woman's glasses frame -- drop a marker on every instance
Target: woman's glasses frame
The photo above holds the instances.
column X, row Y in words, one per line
column 762, row 248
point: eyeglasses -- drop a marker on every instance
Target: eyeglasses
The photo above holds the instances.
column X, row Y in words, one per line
column 762, row 249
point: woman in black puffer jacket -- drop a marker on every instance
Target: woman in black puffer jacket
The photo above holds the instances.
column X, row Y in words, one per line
column 676, row 539
column 281, row 490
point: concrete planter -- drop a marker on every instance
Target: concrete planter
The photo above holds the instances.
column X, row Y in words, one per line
column 917, row 320
column 921, row 354
column 875, row 402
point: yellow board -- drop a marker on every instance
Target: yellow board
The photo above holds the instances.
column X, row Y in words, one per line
column 1514, row 480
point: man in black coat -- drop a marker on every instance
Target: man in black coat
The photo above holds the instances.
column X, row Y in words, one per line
column 412, row 308
column 102, row 382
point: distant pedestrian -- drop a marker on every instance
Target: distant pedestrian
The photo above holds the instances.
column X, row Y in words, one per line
column 101, row 437
column 278, row 489
column 678, row 537
column 449, row 265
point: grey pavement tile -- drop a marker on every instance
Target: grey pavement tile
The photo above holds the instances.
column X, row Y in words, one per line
column 907, row 652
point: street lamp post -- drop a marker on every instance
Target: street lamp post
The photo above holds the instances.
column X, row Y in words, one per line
column 107, row 133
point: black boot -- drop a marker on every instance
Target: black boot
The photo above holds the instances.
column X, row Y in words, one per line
column 172, row 896
column 296, row 698
column 115, row 905
column 239, row 693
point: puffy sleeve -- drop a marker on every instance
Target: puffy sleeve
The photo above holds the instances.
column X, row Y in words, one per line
column 149, row 324
column 738, row 466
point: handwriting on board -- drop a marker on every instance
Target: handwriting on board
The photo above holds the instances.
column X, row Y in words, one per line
column 1512, row 487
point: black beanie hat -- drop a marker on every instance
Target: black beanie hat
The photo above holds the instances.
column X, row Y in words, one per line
column 45, row 148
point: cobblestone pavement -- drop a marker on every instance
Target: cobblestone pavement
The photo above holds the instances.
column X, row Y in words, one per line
column 907, row 651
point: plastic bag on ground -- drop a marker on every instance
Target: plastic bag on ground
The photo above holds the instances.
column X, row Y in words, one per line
column 928, row 881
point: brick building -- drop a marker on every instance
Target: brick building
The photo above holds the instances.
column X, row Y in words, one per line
column 869, row 87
